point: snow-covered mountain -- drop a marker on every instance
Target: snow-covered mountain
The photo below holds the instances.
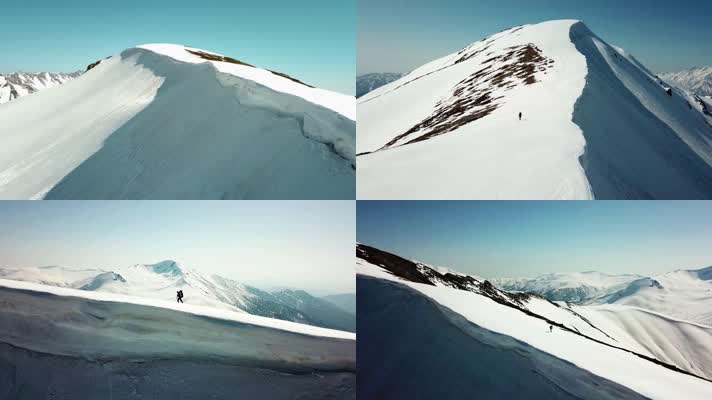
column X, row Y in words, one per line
column 20, row 84
column 595, row 123
column 368, row 82
column 573, row 287
column 162, row 280
column 697, row 80
column 682, row 294
column 522, row 342
column 62, row 343
column 167, row 121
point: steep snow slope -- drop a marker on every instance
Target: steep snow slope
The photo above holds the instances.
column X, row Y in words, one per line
column 453, row 358
column 369, row 82
column 698, row 80
column 577, row 287
column 116, row 345
column 164, row 121
column 162, row 280
column 673, row 341
column 526, row 318
column 595, row 123
column 19, row 84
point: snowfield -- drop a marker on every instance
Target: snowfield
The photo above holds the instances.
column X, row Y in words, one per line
column 653, row 355
column 159, row 122
column 144, row 346
column 595, row 124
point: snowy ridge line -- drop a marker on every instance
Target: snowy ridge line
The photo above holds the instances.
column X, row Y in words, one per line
column 403, row 271
column 459, row 57
column 277, row 81
column 200, row 311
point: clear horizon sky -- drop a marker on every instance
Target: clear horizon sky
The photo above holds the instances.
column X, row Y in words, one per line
column 530, row 238
column 400, row 35
column 312, row 40
column 270, row 244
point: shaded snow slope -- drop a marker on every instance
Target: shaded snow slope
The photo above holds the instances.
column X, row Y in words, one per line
column 13, row 86
column 127, row 342
column 575, row 338
column 146, row 125
column 641, row 143
column 162, row 280
column 454, row 358
column 595, row 123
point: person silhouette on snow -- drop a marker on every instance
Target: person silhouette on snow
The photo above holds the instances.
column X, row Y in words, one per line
column 551, row 328
column 179, row 296
column 520, row 115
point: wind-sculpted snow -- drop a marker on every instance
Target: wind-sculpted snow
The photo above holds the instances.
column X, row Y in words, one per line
column 145, row 125
column 47, row 329
column 641, row 143
column 412, row 347
column 651, row 360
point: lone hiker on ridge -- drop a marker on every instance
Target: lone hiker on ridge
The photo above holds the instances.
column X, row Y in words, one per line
column 551, row 327
column 179, row 296
column 520, row 115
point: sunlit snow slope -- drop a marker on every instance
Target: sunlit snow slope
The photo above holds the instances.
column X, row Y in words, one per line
column 607, row 351
column 168, row 121
column 595, row 124
column 70, row 344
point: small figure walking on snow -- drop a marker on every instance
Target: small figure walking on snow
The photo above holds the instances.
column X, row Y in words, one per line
column 520, row 115
column 551, row 328
column 179, row 296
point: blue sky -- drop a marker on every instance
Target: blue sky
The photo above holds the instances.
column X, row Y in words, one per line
column 311, row 40
column 529, row 238
column 399, row 35
column 303, row 244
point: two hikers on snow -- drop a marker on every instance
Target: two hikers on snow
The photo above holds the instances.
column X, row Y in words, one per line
column 179, row 296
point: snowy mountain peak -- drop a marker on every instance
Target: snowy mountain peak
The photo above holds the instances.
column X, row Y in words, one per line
column 167, row 267
column 516, row 115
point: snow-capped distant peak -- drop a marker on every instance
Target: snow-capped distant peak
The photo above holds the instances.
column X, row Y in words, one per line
column 20, row 84
column 278, row 81
column 698, row 80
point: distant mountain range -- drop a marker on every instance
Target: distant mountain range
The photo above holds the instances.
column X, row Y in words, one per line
column 683, row 294
column 697, row 80
column 19, row 84
column 368, row 82
column 162, row 280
